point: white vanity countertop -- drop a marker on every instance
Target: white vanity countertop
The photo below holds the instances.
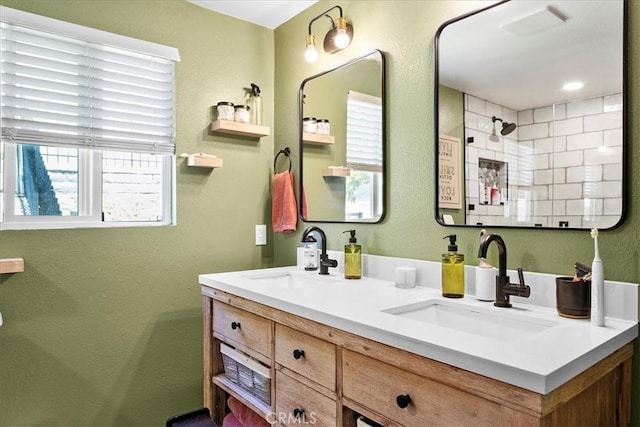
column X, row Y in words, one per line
column 539, row 362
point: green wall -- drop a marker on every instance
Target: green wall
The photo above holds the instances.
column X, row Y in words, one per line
column 405, row 31
column 104, row 326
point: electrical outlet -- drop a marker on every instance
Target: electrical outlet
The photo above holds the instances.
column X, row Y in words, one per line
column 261, row 234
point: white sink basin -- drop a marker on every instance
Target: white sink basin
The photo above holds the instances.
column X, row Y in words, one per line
column 289, row 280
column 504, row 324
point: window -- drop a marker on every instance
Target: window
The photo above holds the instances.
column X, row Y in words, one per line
column 88, row 125
column 364, row 157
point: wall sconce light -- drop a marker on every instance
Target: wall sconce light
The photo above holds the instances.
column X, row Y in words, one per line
column 338, row 37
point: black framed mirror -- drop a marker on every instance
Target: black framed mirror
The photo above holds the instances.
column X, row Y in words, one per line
column 530, row 115
column 342, row 142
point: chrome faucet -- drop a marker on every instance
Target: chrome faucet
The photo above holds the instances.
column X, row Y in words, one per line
column 325, row 262
column 504, row 289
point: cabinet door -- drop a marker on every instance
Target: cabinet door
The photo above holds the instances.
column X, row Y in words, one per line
column 297, row 404
column 308, row 356
column 243, row 330
column 409, row 399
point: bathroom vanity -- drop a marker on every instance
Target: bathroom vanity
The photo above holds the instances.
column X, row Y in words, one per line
column 337, row 349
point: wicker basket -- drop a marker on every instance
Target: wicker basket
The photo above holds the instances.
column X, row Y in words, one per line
column 248, row 373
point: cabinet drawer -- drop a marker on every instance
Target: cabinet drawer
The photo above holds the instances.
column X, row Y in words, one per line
column 244, row 330
column 308, row 356
column 377, row 386
column 293, row 397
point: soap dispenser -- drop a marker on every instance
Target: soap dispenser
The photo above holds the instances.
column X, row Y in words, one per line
column 352, row 257
column 452, row 270
column 255, row 105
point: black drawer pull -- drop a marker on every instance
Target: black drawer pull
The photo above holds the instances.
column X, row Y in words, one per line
column 403, row 400
column 298, row 413
column 297, row 354
column 235, row 325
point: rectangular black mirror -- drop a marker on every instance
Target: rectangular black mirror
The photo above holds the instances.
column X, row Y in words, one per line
column 530, row 106
column 342, row 142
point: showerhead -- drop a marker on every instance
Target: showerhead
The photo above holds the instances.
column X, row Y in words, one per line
column 507, row 128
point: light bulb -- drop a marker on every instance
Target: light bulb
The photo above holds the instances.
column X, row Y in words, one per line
column 310, row 53
column 342, row 39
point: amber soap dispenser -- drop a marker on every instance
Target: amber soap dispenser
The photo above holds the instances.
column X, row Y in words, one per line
column 352, row 257
column 452, row 270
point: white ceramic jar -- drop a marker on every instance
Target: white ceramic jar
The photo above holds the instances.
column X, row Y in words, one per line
column 310, row 125
column 241, row 114
column 225, row 110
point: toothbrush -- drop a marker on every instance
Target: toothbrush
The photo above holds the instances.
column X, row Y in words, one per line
column 597, row 284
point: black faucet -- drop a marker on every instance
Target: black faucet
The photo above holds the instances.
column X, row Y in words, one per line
column 325, row 262
column 503, row 288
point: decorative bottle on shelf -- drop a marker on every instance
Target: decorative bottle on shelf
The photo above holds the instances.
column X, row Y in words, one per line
column 255, row 105
column 452, row 270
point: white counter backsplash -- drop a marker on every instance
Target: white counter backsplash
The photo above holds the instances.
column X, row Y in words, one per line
column 621, row 298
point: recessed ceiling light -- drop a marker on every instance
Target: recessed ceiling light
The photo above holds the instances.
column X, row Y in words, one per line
column 572, row 86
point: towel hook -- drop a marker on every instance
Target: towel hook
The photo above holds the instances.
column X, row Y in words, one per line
column 286, row 151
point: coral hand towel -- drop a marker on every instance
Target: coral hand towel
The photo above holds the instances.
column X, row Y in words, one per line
column 284, row 213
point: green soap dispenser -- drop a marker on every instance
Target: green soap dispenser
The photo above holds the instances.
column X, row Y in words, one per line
column 452, row 270
column 352, row 257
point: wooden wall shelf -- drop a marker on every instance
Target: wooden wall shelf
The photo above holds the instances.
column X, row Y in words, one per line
column 313, row 138
column 11, row 265
column 204, row 161
column 336, row 172
column 237, row 128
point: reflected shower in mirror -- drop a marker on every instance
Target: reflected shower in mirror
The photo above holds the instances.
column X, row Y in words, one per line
column 530, row 117
column 342, row 133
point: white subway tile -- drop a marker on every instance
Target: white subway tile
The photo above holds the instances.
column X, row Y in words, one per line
column 540, row 161
column 543, row 177
column 559, row 143
column 544, row 145
column 601, row 222
column 584, row 141
column 543, row 208
column 543, row 114
column 584, row 107
column 599, row 157
column 567, row 127
column 613, row 206
column 603, row 189
column 612, row 103
column 559, row 207
column 560, row 111
column 476, row 105
column 567, row 158
column 603, row 121
column 534, row 131
column 525, row 117
column 588, row 173
column 479, row 138
column 613, row 172
column 613, row 137
column 492, row 109
column 559, row 175
column 567, row 191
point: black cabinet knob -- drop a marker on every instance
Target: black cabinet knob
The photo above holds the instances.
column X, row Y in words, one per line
column 235, row 325
column 403, row 400
column 298, row 413
column 297, row 354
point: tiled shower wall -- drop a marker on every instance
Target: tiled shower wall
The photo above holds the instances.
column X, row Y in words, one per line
column 564, row 163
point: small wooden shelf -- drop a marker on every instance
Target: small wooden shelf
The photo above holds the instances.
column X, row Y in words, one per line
column 204, row 161
column 237, row 128
column 11, row 265
column 337, row 172
column 314, row 138
column 242, row 395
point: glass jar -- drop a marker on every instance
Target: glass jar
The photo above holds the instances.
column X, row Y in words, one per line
column 225, row 110
column 324, row 127
column 309, row 125
column 241, row 114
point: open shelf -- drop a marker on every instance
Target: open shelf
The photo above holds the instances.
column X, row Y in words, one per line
column 11, row 265
column 336, row 172
column 237, row 128
column 204, row 161
column 242, row 395
column 313, row 138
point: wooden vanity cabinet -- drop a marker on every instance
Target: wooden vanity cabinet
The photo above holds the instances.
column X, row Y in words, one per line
column 342, row 375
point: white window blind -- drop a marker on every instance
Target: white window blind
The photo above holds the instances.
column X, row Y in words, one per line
column 364, row 132
column 109, row 93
